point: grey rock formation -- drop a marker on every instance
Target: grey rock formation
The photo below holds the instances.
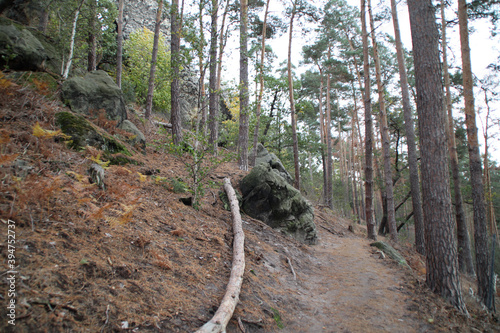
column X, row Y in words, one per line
column 263, row 156
column 138, row 139
column 93, row 92
column 25, row 49
column 269, row 198
column 142, row 13
column 84, row 133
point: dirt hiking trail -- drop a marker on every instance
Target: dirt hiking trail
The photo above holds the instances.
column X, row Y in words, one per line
column 349, row 288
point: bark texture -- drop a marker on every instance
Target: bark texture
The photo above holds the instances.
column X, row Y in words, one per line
column 480, row 229
column 441, row 252
column 213, row 118
column 384, row 131
column 243, row 132
column 119, row 45
column 418, row 213
column 295, row 140
column 465, row 263
column 370, row 222
column 175, row 46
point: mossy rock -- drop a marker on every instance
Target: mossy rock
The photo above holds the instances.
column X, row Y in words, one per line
column 83, row 133
column 267, row 196
column 391, row 252
column 23, row 48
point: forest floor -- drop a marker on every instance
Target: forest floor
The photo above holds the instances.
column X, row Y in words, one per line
column 134, row 258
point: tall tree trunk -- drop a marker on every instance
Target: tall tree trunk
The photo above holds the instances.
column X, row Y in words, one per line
column 480, row 230
column 384, row 130
column 261, row 85
column 328, row 138
column 296, row 182
column 43, row 18
column 202, row 103
column 322, row 136
column 222, row 45
column 418, row 213
column 72, row 42
column 441, row 252
column 119, row 44
column 370, row 222
column 175, row 46
column 243, row 133
column 465, row 262
column 213, row 120
column 92, row 38
column 154, row 55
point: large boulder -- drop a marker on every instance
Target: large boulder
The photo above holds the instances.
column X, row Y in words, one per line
column 93, row 92
column 26, row 49
column 263, row 156
column 270, row 198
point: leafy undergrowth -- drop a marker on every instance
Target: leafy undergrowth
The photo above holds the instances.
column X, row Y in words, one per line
column 133, row 256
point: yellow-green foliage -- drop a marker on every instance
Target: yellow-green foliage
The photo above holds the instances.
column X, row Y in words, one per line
column 231, row 126
column 138, row 49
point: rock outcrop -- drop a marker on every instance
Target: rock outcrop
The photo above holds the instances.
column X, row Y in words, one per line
column 93, row 92
column 142, row 13
column 267, row 196
column 85, row 133
column 263, row 156
column 25, row 49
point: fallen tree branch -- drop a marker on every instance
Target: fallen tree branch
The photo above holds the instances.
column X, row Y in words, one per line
column 328, row 229
column 220, row 319
column 291, row 267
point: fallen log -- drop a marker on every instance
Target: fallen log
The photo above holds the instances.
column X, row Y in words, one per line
column 221, row 318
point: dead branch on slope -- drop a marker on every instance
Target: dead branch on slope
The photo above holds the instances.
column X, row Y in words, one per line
column 219, row 321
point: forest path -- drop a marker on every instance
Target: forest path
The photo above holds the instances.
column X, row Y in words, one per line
column 349, row 288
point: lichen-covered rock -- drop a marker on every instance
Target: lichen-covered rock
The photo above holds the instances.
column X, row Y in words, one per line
column 263, row 156
column 93, row 92
column 25, row 49
column 84, row 133
column 138, row 137
column 267, row 196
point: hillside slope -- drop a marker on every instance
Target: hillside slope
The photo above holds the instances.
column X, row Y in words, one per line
column 134, row 257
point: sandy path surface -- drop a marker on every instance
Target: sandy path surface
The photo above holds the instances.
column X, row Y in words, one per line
column 349, row 288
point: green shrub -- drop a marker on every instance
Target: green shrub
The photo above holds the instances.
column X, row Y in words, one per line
column 138, row 49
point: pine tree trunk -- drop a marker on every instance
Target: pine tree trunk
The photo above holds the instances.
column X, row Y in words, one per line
column 295, row 141
column 370, row 222
column 175, row 46
column 386, row 145
column 213, row 120
column 119, row 45
column 261, row 85
column 243, row 132
column 465, row 262
column 322, row 138
column 480, row 229
column 418, row 214
column 328, row 138
column 441, row 252
column 154, row 55
column 92, row 38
